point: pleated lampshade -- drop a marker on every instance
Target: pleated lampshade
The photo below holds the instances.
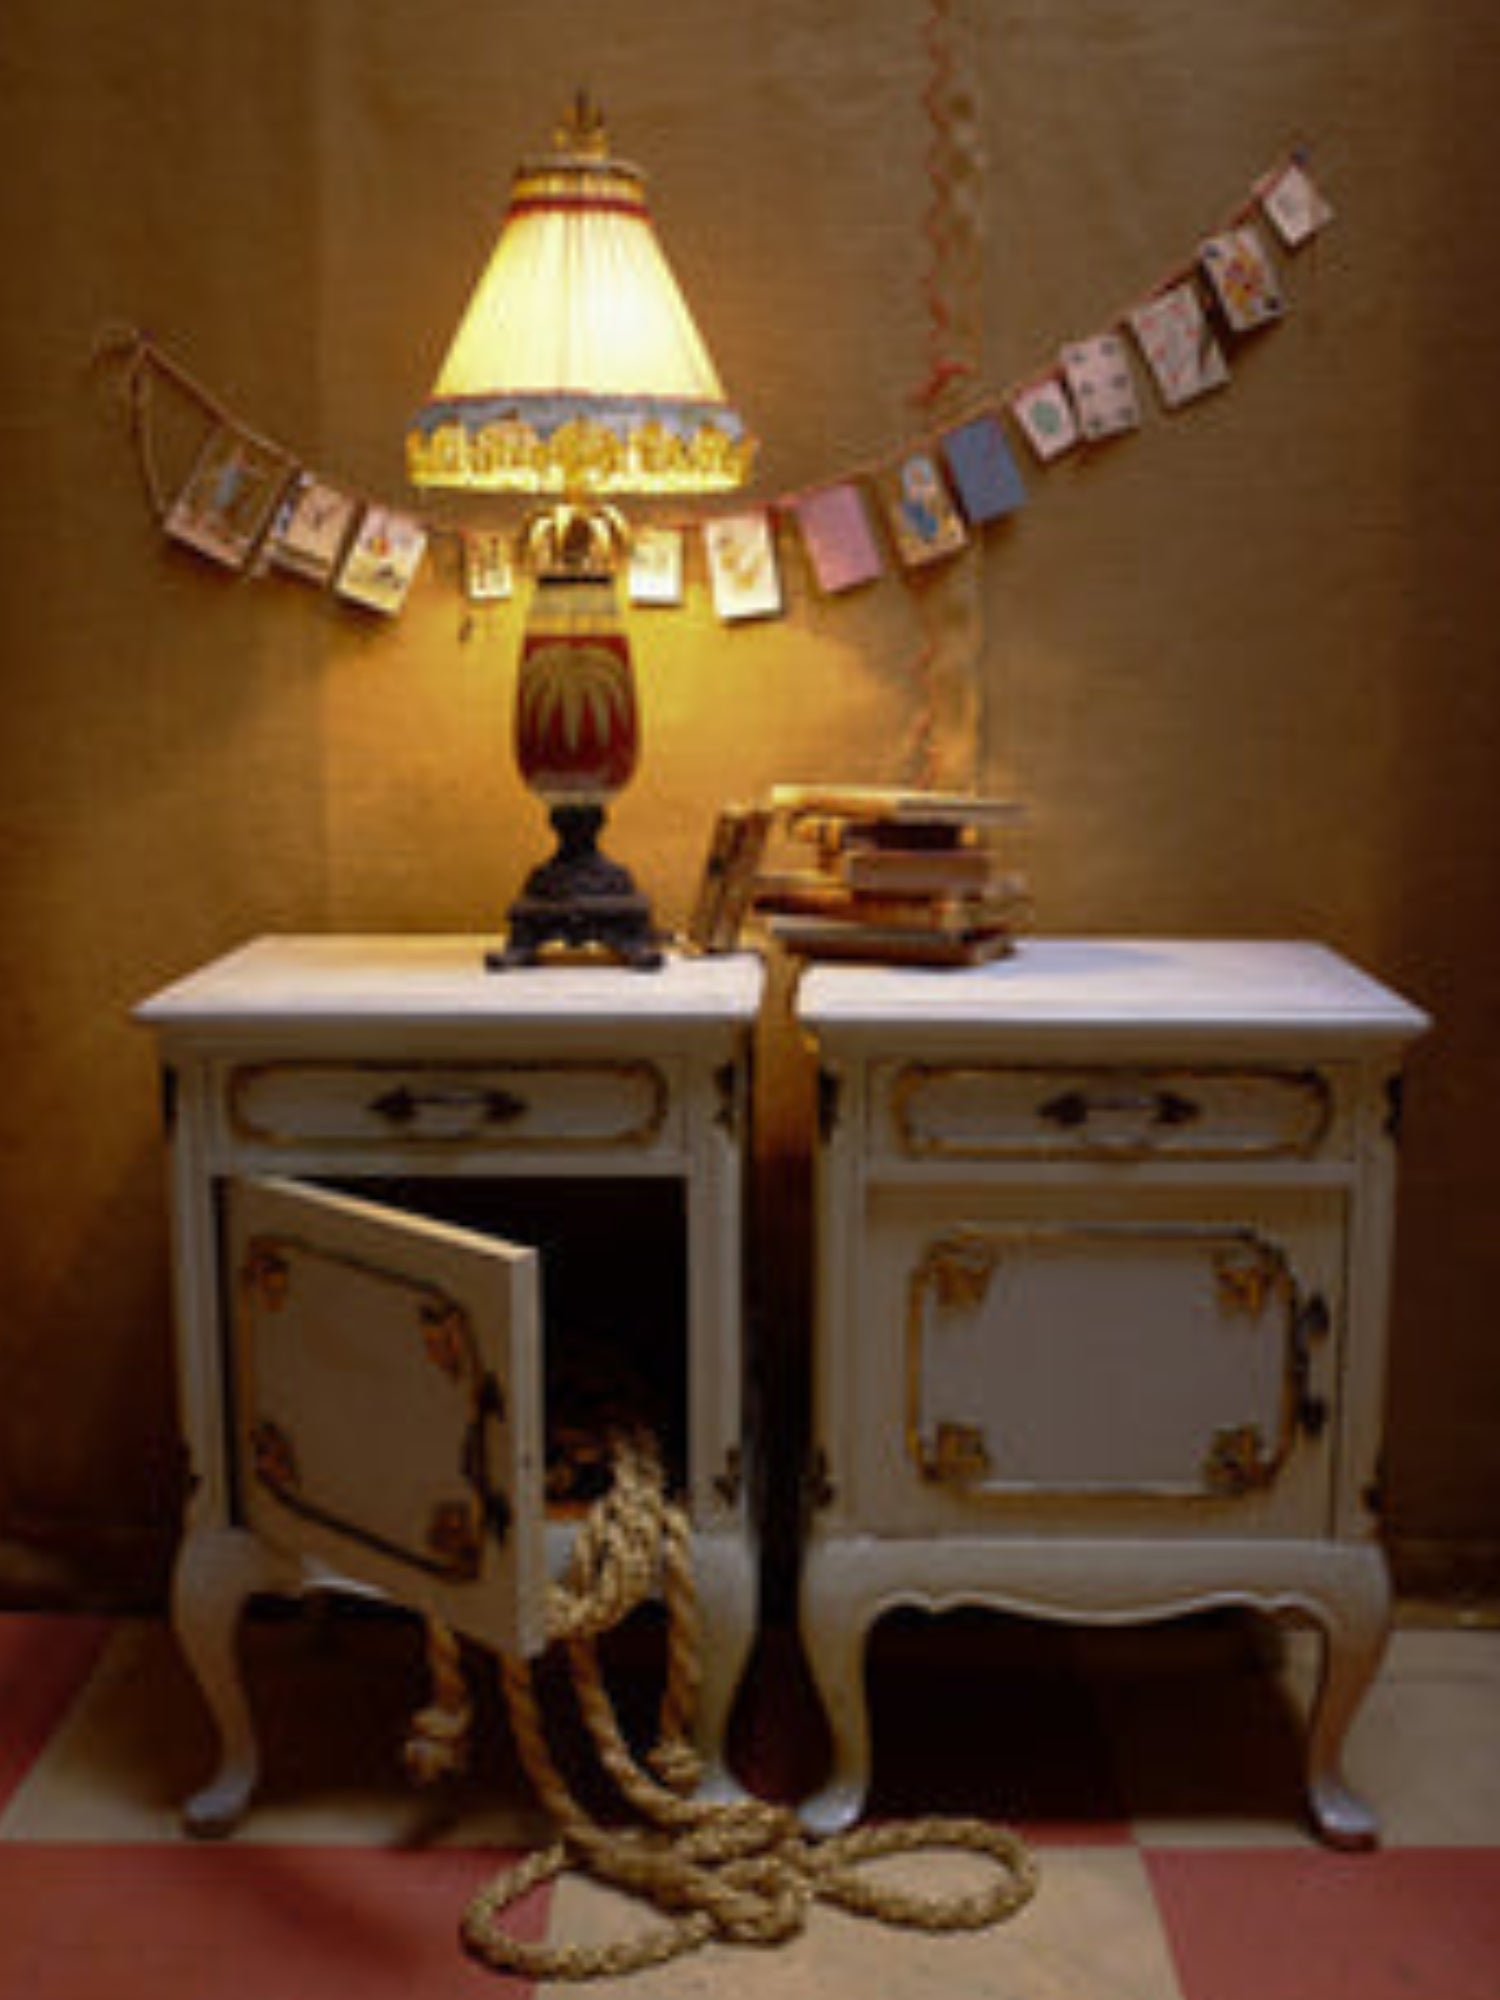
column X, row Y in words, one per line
column 577, row 367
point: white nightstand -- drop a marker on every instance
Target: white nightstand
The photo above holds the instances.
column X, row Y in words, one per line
column 1104, row 1233
column 426, row 1218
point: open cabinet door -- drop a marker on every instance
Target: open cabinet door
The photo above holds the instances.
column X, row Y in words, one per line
column 388, row 1403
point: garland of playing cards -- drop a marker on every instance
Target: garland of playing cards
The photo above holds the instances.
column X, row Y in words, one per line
column 255, row 507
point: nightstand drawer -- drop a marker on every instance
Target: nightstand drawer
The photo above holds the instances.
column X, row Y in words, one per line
column 557, row 1106
column 975, row 1111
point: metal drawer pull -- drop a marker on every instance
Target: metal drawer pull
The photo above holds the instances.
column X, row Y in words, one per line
column 1159, row 1107
column 403, row 1105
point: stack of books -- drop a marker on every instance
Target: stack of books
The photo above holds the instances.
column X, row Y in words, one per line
column 894, row 875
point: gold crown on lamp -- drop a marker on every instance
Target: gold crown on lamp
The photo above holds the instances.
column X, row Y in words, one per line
column 577, row 366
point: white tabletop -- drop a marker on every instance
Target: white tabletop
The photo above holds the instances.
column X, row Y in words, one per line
column 1074, row 986
column 442, row 981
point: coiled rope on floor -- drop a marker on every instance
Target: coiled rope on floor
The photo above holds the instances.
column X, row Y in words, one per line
column 742, row 1871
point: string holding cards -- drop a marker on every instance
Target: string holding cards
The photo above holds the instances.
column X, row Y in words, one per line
column 256, row 508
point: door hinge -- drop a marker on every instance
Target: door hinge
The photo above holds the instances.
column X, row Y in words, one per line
column 726, row 1082
column 730, row 1483
column 185, row 1480
column 818, row 1490
column 494, row 1505
column 830, row 1091
column 1312, row 1322
column 1395, row 1107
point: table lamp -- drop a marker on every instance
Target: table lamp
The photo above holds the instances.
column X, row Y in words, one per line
column 577, row 373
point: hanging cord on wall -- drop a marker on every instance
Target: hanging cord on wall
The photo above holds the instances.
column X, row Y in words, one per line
column 146, row 368
column 742, row 1872
column 142, row 364
column 953, row 225
column 943, row 741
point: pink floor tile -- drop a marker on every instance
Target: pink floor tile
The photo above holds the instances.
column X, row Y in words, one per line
column 1407, row 1924
column 44, row 1661
column 244, row 1923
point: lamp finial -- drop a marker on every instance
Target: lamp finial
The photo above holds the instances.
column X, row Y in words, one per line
column 581, row 131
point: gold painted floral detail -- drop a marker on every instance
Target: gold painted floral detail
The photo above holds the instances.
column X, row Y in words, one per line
column 266, row 1276
column 960, row 1270
column 1237, row 1461
column 445, row 1337
column 274, row 1457
column 1248, row 1277
column 453, row 1537
column 958, row 1453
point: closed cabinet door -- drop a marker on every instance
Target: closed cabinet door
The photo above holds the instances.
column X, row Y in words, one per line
column 1129, row 1365
column 388, row 1403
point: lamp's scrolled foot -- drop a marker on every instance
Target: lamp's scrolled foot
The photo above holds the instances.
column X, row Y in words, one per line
column 616, row 927
column 579, row 900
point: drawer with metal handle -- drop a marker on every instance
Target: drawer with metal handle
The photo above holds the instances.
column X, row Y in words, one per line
column 597, row 1104
column 973, row 1111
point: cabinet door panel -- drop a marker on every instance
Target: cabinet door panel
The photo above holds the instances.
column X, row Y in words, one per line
column 388, row 1406
column 1143, row 1357
column 1088, row 1357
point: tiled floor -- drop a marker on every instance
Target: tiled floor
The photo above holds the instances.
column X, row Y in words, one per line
column 1154, row 1773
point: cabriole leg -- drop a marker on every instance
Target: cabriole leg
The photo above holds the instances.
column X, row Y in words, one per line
column 1353, row 1626
column 218, row 1571
column 834, row 1640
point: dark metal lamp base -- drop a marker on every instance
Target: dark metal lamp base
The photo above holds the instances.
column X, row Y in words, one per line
column 579, row 900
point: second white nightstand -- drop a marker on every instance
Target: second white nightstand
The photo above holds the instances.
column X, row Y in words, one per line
column 1103, row 1244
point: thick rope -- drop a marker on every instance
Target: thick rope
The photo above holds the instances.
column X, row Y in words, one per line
column 742, row 1872
column 438, row 1746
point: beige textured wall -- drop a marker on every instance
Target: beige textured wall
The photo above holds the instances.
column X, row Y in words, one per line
column 1243, row 665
